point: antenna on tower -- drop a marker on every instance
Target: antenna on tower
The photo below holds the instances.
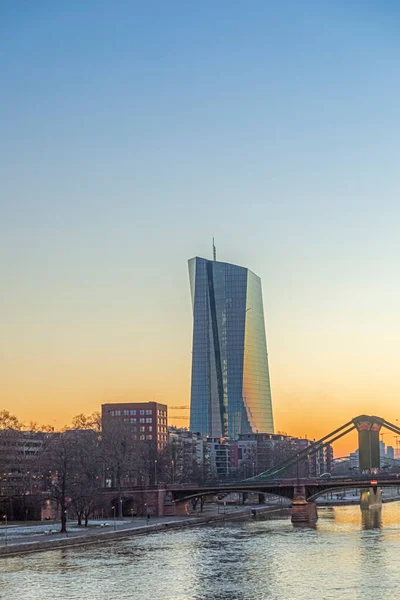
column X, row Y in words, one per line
column 214, row 251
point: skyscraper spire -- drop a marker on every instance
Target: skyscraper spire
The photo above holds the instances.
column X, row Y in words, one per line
column 214, row 251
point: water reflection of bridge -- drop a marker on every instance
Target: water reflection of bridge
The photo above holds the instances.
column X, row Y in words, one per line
column 304, row 491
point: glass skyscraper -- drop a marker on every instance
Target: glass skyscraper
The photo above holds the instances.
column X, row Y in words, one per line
column 231, row 391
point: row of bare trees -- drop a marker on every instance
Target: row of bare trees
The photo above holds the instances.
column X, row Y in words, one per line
column 72, row 467
column 37, row 463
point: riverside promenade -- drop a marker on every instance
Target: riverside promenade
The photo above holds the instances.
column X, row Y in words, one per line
column 21, row 539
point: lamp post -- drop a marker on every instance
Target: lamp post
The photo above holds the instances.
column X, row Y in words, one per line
column 297, row 473
column 66, row 517
column 173, row 470
column 6, row 539
column 113, row 507
column 155, row 472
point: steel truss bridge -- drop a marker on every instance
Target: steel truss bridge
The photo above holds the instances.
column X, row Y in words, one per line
column 308, row 488
column 273, row 482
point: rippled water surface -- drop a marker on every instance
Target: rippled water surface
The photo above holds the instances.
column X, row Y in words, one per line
column 348, row 555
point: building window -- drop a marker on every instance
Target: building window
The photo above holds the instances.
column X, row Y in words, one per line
column 143, row 420
column 112, row 413
column 132, row 420
column 142, row 412
column 117, row 413
column 149, row 437
column 148, row 412
column 133, row 412
column 142, row 428
column 142, row 437
column 126, row 413
column 149, row 420
column 150, row 428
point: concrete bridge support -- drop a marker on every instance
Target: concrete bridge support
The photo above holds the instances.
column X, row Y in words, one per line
column 368, row 442
column 303, row 511
column 369, row 456
column 371, row 498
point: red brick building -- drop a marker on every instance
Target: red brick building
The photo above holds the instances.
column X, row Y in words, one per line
column 147, row 419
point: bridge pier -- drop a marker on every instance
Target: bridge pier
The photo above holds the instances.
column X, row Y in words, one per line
column 371, row 498
column 303, row 511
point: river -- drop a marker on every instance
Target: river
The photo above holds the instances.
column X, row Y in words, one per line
column 348, row 555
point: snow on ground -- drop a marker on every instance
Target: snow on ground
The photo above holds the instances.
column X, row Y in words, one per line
column 47, row 527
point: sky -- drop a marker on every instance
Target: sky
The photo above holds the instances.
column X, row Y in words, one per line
column 134, row 132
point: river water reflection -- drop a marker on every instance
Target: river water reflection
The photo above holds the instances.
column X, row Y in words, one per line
column 348, row 555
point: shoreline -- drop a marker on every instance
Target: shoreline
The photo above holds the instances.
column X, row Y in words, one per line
column 96, row 537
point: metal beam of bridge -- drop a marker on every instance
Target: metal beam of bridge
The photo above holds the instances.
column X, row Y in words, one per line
column 312, row 488
column 356, row 423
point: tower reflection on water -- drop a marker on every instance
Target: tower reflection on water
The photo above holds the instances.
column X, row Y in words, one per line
column 371, row 518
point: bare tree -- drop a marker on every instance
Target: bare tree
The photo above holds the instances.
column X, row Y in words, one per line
column 9, row 421
column 86, row 480
column 10, row 442
column 122, row 455
column 85, row 422
column 59, row 465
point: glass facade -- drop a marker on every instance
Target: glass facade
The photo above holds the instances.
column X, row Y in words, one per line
column 230, row 391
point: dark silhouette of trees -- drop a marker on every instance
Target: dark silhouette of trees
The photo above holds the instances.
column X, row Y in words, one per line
column 58, row 467
column 121, row 456
column 86, row 479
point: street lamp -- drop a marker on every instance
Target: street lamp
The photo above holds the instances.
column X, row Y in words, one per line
column 6, row 540
column 173, row 470
column 113, row 507
column 155, row 472
column 66, row 517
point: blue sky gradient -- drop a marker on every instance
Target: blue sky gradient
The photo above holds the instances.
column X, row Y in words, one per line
column 132, row 132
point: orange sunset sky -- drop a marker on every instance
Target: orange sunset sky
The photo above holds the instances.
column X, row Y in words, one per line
column 69, row 353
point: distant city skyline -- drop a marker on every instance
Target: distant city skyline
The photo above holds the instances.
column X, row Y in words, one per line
column 230, row 385
column 131, row 136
